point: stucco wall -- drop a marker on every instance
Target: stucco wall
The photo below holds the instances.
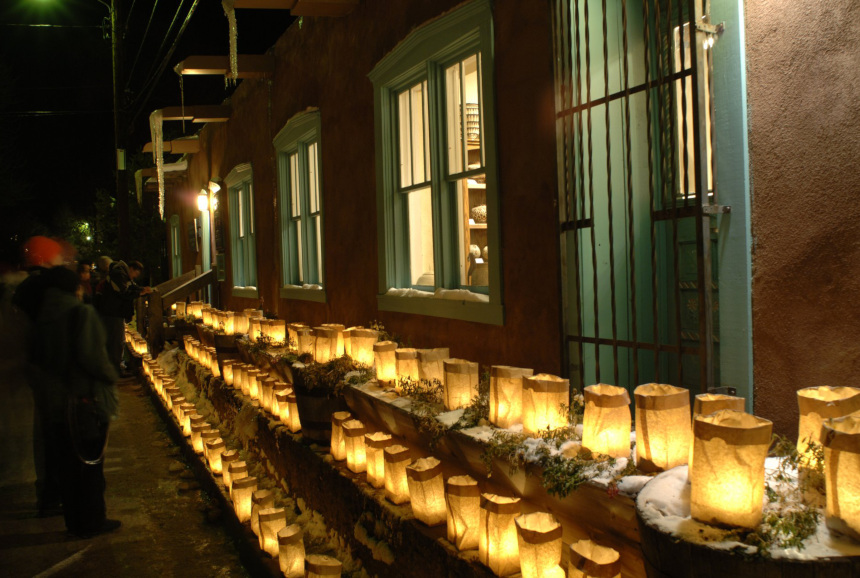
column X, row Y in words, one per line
column 324, row 64
column 804, row 86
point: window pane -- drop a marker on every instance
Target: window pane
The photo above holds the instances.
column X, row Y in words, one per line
column 414, row 137
column 404, row 127
column 318, row 274
column 241, row 198
column 313, row 178
column 299, row 249
column 295, row 203
column 419, row 129
column 472, row 227
column 464, row 109
column 421, row 237
column 251, row 208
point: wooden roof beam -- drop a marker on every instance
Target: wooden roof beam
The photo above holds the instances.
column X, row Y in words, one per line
column 198, row 113
column 178, row 146
column 250, row 65
column 323, row 7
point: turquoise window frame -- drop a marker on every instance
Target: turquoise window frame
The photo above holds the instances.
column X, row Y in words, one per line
column 298, row 135
column 175, row 246
column 240, row 195
column 424, row 55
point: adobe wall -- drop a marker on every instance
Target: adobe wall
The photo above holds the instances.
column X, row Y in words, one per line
column 804, row 84
column 324, row 64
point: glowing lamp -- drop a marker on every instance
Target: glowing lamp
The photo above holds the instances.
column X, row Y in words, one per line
column 430, row 364
column 317, row 566
column 325, row 344
column 385, row 361
column 338, row 443
column 427, row 491
column 396, row 487
column 243, row 490
column 284, row 405
column 663, row 429
column 406, row 364
column 353, row 434
column 708, row 403
column 295, row 424
column 278, row 387
column 588, row 560
column 272, row 520
column 544, row 396
column 236, row 471
column 292, row 332
column 278, row 331
column 539, row 541
column 238, row 374
column 176, row 400
column 727, row 476
column 227, row 371
column 255, row 329
column 240, row 324
column 291, row 551
column 842, row 473
column 817, row 404
column 506, row 394
column 606, row 423
column 339, row 348
column 463, row 497
column 461, row 383
column 497, row 538
column 228, row 457
column 214, row 449
column 213, row 362
column 374, row 449
column 361, row 343
column 260, row 500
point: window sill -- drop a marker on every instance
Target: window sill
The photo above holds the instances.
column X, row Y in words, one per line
column 302, row 294
column 489, row 313
column 248, row 292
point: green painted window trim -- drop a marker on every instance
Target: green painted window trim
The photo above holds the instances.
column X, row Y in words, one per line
column 240, row 182
column 424, row 55
column 300, row 131
column 175, row 246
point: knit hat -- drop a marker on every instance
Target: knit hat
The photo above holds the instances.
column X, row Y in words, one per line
column 40, row 251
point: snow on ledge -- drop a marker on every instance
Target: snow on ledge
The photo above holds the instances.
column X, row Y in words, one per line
column 305, row 287
column 448, row 294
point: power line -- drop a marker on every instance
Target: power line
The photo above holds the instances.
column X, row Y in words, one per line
column 51, row 25
column 163, row 44
column 142, row 41
column 37, row 113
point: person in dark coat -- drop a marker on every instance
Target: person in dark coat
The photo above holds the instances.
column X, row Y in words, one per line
column 114, row 300
column 69, row 348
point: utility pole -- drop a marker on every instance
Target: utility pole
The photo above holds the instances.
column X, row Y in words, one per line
column 119, row 130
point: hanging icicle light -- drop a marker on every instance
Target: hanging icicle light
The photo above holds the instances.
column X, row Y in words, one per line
column 353, row 434
column 506, row 394
column 727, row 476
column 591, row 560
column 606, row 422
column 156, row 121
column 539, row 541
column 497, row 542
column 396, row 486
column 427, row 491
column 338, row 443
column 544, row 397
column 374, row 447
column 663, row 430
column 291, row 551
column 463, row 498
column 460, row 384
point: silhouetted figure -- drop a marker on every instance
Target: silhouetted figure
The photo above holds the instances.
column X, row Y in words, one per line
column 115, row 296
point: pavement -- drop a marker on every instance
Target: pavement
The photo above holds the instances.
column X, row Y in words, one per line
column 169, row 526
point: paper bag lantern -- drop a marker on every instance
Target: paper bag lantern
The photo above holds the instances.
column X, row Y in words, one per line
column 339, row 329
column 260, row 500
column 497, row 539
column 176, row 402
column 243, row 490
column 238, row 375
column 842, row 473
column 461, row 383
column 267, row 392
column 427, row 491
column 255, row 329
column 198, row 420
column 189, row 410
column 227, row 371
column 284, row 405
column 708, row 403
column 249, row 376
column 385, row 361
column 663, row 431
column 325, row 344
column 338, row 443
column 353, row 433
column 396, row 487
column 228, row 457
column 196, row 440
column 278, row 331
column 206, row 436
column 254, row 386
column 292, row 333
column 291, row 551
column 817, row 404
column 588, row 560
column 317, row 566
column 374, row 446
column 295, row 424
column 606, row 422
column 506, row 394
column 544, row 397
column 406, row 364
column 727, row 476
column 431, row 364
column 463, row 498
column 305, row 340
column 181, row 309
column 236, row 471
column 214, row 449
column 272, row 520
column 539, row 541
column 361, row 343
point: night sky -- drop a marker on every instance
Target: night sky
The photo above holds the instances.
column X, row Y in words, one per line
column 56, row 99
